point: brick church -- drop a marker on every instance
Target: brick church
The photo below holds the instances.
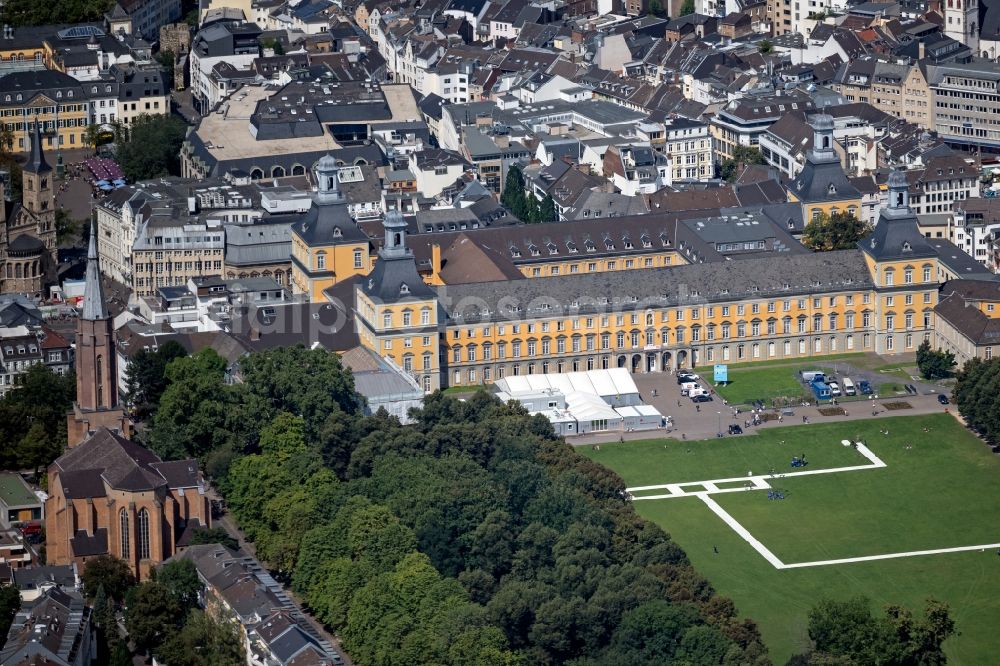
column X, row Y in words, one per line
column 108, row 494
column 28, row 229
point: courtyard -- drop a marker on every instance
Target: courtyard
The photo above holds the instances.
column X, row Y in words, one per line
column 911, row 513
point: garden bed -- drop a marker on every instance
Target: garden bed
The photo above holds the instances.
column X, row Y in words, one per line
column 893, row 406
column 832, row 411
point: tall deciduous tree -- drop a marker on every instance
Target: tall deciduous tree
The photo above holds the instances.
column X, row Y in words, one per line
column 152, row 615
column 840, row 231
column 152, row 147
column 934, row 363
column 146, row 377
column 110, row 573
column 742, row 155
column 687, row 7
column 202, row 642
column 977, row 394
column 181, row 579
column 10, row 603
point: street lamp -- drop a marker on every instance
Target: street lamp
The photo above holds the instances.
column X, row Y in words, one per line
column 719, row 413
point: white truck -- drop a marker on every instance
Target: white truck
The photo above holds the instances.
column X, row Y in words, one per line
column 849, row 388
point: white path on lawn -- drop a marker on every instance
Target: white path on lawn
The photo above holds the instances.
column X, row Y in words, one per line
column 742, row 531
column 759, row 482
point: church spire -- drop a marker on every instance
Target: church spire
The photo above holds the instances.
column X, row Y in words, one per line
column 94, row 308
column 36, row 161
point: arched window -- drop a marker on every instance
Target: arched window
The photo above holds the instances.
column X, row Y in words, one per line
column 123, row 523
column 277, row 172
column 890, row 277
column 142, row 534
column 298, row 170
column 99, row 372
column 256, row 174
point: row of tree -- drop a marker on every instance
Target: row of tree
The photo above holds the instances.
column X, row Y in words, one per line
column 977, row 394
column 474, row 536
column 524, row 205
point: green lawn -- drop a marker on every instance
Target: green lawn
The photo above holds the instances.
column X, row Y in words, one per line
column 943, row 492
column 657, row 461
column 765, row 383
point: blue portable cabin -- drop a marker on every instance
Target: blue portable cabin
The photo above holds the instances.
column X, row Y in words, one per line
column 820, row 390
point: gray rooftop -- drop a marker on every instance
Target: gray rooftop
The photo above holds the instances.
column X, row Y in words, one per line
column 777, row 276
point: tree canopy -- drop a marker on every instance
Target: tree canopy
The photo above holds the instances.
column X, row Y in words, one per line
column 847, row 632
column 146, row 377
column 977, row 394
column 742, row 155
column 474, row 536
column 840, row 231
column 109, row 574
column 150, row 146
column 33, row 418
column 10, row 603
column 32, row 12
column 934, row 363
column 687, row 7
column 523, row 204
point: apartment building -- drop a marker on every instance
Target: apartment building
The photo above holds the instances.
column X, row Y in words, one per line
column 966, row 103
column 688, row 144
column 742, row 121
column 974, row 226
column 169, row 251
column 943, row 182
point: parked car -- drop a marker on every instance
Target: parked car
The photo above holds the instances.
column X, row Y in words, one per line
column 943, row 399
column 685, row 377
column 849, row 388
column 735, row 429
column 865, row 387
column 704, row 397
column 834, row 388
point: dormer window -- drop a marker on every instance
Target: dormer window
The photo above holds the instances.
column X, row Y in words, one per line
column 609, row 244
column 534, row 250
column 552, row 248
column 514, row 252
column 337, row 233
column 571, row 246
column 832, row 189
column 646, row 242
column 906, row 247
column 404, row 288
column 590, row 246
column 628, row 242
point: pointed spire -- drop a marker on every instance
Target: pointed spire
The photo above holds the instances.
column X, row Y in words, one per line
column 94, row 308
column 36, row 161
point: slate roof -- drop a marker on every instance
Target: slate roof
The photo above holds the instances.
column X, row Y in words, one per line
column 822, row 180
column 395, row 280
column 107, row 458
column 85, row 545
column 773, row 276
column 288, row 324
column 36, row 160
column 328, row 224
column 956, row 306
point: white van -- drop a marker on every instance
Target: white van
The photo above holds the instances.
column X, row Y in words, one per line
column 849, row 387
column 687, row 387
column 697, row 391
column 834, row 388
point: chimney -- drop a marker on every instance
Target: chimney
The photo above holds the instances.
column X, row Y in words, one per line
column 921, row 50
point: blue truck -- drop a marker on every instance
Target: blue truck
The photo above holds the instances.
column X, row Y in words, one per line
column 820, row 389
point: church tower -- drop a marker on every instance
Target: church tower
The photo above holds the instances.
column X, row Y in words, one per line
column 38, row 196
column 96, row 362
